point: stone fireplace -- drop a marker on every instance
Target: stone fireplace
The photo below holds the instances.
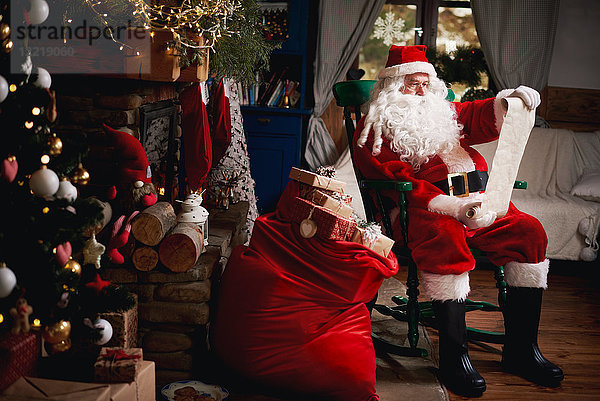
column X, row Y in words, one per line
column 174, row 309
column 146, row 109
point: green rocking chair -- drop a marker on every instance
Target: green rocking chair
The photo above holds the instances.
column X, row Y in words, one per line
column 351, row 95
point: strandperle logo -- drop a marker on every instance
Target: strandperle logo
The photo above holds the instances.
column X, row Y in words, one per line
column 79, row 47
column 85, row 32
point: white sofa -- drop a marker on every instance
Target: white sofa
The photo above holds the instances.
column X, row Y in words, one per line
column 553, row 163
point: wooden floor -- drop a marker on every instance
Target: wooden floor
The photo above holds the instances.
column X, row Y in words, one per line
column 569, row 336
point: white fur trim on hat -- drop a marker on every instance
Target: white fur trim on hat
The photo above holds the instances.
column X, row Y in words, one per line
column 408, row 68
column 446, row 287
column 534, row 275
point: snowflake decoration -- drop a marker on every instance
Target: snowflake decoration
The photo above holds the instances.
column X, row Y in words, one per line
column 389, row 28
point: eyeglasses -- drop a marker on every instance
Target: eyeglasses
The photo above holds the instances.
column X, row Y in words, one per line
column 413, row 86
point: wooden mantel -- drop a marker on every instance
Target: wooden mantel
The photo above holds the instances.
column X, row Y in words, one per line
column 106, row 59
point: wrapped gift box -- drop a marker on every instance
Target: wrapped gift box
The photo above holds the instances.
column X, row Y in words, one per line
column 123, row 391
column 329, row 202
column 373, row 240
column 316, row 180
column 125, row 327
column 307, row 191
column 145, row 382
column 115, row 364
column 19, row 356
column 329, row 225
column 35, row 388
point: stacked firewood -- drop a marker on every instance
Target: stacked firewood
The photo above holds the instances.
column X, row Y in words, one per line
column 158, row 237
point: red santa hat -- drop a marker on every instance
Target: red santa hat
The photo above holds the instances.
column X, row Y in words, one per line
column 404, row 60
column 133, row 162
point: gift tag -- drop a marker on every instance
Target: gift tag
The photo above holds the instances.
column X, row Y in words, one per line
column 308, row 228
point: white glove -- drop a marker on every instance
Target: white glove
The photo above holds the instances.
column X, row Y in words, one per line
column 465, row 210
column 531, row 98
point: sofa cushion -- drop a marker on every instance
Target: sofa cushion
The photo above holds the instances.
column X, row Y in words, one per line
column 588, row 186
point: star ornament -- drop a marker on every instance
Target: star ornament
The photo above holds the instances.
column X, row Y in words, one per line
column 98, row 285
column 93, row 251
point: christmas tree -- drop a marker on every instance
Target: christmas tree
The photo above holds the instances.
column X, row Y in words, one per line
column 48, row 253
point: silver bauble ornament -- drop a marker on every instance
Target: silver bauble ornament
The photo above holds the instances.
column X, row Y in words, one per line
column 8, row 280
column 43, row 78
column 44, row 182
column 3, row 88
column 38, row 11
column 106, row 331
column 66, row 191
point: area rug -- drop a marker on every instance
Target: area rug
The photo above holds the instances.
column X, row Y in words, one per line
column 400, row 377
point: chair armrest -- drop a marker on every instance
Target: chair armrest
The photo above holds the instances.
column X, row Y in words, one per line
column 405, row 186
column 402, row 186
column 520, row 185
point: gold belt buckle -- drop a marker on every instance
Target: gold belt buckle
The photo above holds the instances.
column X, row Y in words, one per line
column 451, row 187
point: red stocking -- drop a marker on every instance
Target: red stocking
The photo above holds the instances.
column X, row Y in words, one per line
column 196, row 136
column 221, row 123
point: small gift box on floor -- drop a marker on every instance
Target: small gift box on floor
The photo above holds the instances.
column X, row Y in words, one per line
column 370, row 236
column 322, row 222
column 35, row 388
column 19, row 356
column 115, row 364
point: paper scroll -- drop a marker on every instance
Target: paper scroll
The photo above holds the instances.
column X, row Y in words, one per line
column 514, row 134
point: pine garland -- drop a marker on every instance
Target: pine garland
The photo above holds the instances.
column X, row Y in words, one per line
column 237, row 46
column 243, row 55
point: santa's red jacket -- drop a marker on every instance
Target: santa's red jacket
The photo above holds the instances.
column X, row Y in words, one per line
column 441, row 244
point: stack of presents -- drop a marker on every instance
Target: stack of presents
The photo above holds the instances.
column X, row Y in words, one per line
column 323, row 209
column 115, row 371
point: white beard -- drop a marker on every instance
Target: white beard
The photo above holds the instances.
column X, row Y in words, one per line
column 418, row 127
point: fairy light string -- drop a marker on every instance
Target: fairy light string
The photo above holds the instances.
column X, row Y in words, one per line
column 210, row 19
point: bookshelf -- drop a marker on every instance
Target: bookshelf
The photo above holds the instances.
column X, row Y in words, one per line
column 275, row 130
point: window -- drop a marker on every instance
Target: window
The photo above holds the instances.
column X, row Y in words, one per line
column 446, row 26
column 396, row 24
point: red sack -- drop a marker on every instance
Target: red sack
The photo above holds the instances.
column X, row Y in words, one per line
column 197, row 143
column 291, row 311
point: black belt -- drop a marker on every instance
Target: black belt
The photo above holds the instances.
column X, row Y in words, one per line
column 454, row 184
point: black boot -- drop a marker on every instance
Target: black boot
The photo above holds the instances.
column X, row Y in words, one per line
column 456, row 371
column 521, row 355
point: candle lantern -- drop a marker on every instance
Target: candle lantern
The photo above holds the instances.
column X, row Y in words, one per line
column 192, row 211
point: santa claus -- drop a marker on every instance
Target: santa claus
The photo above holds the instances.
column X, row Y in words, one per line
column 412, row 133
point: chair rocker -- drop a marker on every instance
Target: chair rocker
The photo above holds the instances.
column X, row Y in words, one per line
column 350, row 95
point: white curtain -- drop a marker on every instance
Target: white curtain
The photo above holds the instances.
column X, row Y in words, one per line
column 342, row 31
column 517, row 39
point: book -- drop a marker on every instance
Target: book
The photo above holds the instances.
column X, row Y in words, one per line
column 256, row 87
column 275, row 93
column 267, row 87
column 273, row 87
column 294, row 97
